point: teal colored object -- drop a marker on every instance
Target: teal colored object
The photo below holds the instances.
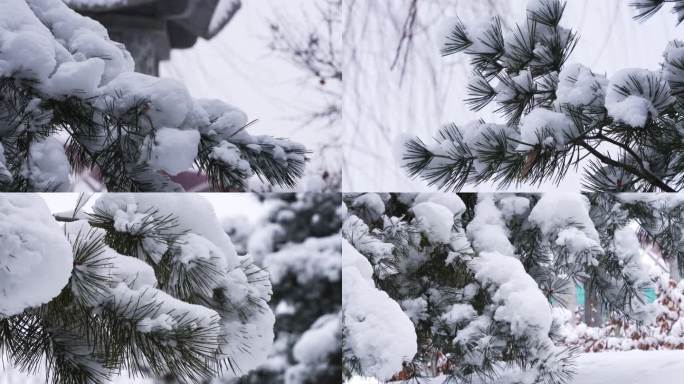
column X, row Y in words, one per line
column 650, row 295
column 580, row 295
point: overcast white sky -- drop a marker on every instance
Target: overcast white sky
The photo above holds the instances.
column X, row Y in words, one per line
column 225, row 204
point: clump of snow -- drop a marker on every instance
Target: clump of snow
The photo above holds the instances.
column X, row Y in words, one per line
column 511, row 206
column 434, row 220
column 174, row 150
column 487, row 231
column 580, row 87
column 376, row 330
column 230, row 155
column 358, row 234
column 543, row 126
column 48, row 168
column 35, row 257
column 168, row 101
column 30, row 50
column 78, row 77
column 521, row 303
column 458, row 313
column 314, row 258
column 415, row 309
column 633, row 111
column 449, row 200
column 635, row 95
column 372, row 204
column 557, row 210
column 193, row 213
column 564, row 219
column 319, row 341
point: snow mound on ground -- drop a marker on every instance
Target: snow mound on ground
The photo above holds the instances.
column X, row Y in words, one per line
column 376, row 330
column 634, row 367
column 35, row 256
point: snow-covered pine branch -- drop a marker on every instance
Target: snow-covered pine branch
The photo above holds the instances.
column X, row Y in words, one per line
column 62, row 77
column 478, row 274
column 149, row 284
column 626, row 127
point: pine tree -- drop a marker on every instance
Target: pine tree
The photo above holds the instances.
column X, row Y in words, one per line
column 147, row 284
column 62, row 77
column 558, row 117
column 478, row 274
column 299, row 243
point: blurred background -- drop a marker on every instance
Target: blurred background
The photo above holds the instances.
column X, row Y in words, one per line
column 397, row 84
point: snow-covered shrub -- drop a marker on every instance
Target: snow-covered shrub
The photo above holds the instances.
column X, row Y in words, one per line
column 663, row 330
column 299, row 244
column 61, row 77
column 478, row 274
column 628, row 125
column 145, row 283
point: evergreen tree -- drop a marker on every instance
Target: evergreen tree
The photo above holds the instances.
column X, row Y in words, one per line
column 147, row 284
column 627, row 127
column 478, row 274
column 299, row 243
column 62, row 77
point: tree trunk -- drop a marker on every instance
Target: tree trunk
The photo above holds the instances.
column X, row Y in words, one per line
column 673, row 263
column 592, row 309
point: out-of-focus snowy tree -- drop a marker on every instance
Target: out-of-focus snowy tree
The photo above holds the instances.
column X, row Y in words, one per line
column 299, row 243
column 624, row 130
column 71, row 101
column 478, row 275
column 147, row 284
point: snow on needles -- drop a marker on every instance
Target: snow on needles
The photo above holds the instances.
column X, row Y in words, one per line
column 67, row 55
column 376, row 330
column 34, row 253
column 246, row 335
column 521, row 303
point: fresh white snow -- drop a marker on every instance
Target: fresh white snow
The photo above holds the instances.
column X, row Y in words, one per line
column 633, row 367
column 34, row 253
